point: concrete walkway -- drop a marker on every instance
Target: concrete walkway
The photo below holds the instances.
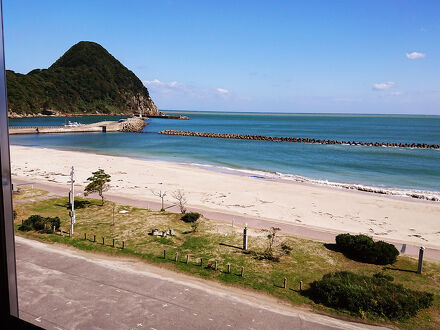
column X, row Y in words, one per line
column 62, row 288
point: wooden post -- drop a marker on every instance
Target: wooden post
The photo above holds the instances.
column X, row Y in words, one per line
column 201, row 262
column 53, row 229
column 215, row 265
column 300, row 286
column 176, row 257
column 85, row 236
column 229, row 268
column 94, row 238
column 103, row 240
column 61, row 232
column 420, row 265
column 164, row 254
column 113, row 245
column 123, row 244
column 242, row 271
column 285, row 283
column 245, row 238
column 187, row 259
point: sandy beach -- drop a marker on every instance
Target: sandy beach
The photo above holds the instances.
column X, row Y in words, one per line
column 405, row 220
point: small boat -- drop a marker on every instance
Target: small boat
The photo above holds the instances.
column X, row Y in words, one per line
column 72, row 124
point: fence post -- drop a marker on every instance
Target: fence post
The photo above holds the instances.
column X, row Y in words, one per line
column 123, row 244
column 187, row 259
column 242, row 271
column 420, row 265
column 94, row 238
column 176, row 257
column 164, row 254
column 300, row 286
column 245, row 238
column 85, row 236
column 113, row 245
column 229, row 268
column 53, row 229
column 215, row 265
column 103, row 240
column 285, row 283
column 201, row 262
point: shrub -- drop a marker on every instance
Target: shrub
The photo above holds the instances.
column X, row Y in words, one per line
column 39, row 223
column 190, row 217
column 363, row 248
column 368, row 296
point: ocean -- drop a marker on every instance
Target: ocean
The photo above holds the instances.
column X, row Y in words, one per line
column 398, row 171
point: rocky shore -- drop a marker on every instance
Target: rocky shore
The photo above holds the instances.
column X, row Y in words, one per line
column 299, row 140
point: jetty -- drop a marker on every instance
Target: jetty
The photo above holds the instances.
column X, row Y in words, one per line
column 127, row 125
column 169, row 117
column 298, row 139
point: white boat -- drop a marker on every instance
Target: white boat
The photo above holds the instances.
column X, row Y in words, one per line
column 72, row 124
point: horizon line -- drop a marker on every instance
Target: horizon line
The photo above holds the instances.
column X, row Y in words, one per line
column 306, row 113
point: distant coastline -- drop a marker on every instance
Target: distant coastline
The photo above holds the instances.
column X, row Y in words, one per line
column 39, row 115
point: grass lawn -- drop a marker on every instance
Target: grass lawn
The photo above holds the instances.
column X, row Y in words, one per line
column 26, row 193
column 217, row 241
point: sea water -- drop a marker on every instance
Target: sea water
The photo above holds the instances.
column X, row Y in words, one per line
column 401, row 171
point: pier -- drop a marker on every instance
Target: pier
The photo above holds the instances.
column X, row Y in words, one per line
column 169, row 117
column 298, row 139
column 128, row 125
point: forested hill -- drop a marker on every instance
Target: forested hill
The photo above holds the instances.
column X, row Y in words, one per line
column 87, row 79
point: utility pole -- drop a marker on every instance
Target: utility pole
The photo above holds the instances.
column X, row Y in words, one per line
column 72, row 200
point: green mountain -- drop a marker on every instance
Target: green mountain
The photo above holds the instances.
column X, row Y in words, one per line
column 87, row 79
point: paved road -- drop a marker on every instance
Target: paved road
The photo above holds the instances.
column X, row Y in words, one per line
column 62, row 288
column 297, row 230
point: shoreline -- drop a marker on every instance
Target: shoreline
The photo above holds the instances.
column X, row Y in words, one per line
column 337, row 210
column 391, row 192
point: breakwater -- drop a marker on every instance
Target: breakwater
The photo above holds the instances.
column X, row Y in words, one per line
column 127, row 125
column 298, row 139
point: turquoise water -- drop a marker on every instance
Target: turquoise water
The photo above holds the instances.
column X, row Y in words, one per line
column 391, row 168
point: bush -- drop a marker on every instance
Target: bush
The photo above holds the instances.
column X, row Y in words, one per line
column 363, row 248
column 39, row 223
column 368, row 296
column 190, row 217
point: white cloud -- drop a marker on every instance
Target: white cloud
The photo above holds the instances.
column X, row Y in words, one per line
column 157, row 86
column 157, row 82
column 222, row 91
column 383, row 86
column 415, row 55
column 177, row 89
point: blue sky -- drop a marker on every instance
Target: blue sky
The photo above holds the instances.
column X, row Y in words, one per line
column 271, row 56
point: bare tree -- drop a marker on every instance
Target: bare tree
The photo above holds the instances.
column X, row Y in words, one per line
column 161, row 195
column 180, row 196
column 271, row 238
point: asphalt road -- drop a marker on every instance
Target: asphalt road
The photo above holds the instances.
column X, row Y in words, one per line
column 63, row 288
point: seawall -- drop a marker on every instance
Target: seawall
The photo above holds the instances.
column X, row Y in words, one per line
column 299, row 139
